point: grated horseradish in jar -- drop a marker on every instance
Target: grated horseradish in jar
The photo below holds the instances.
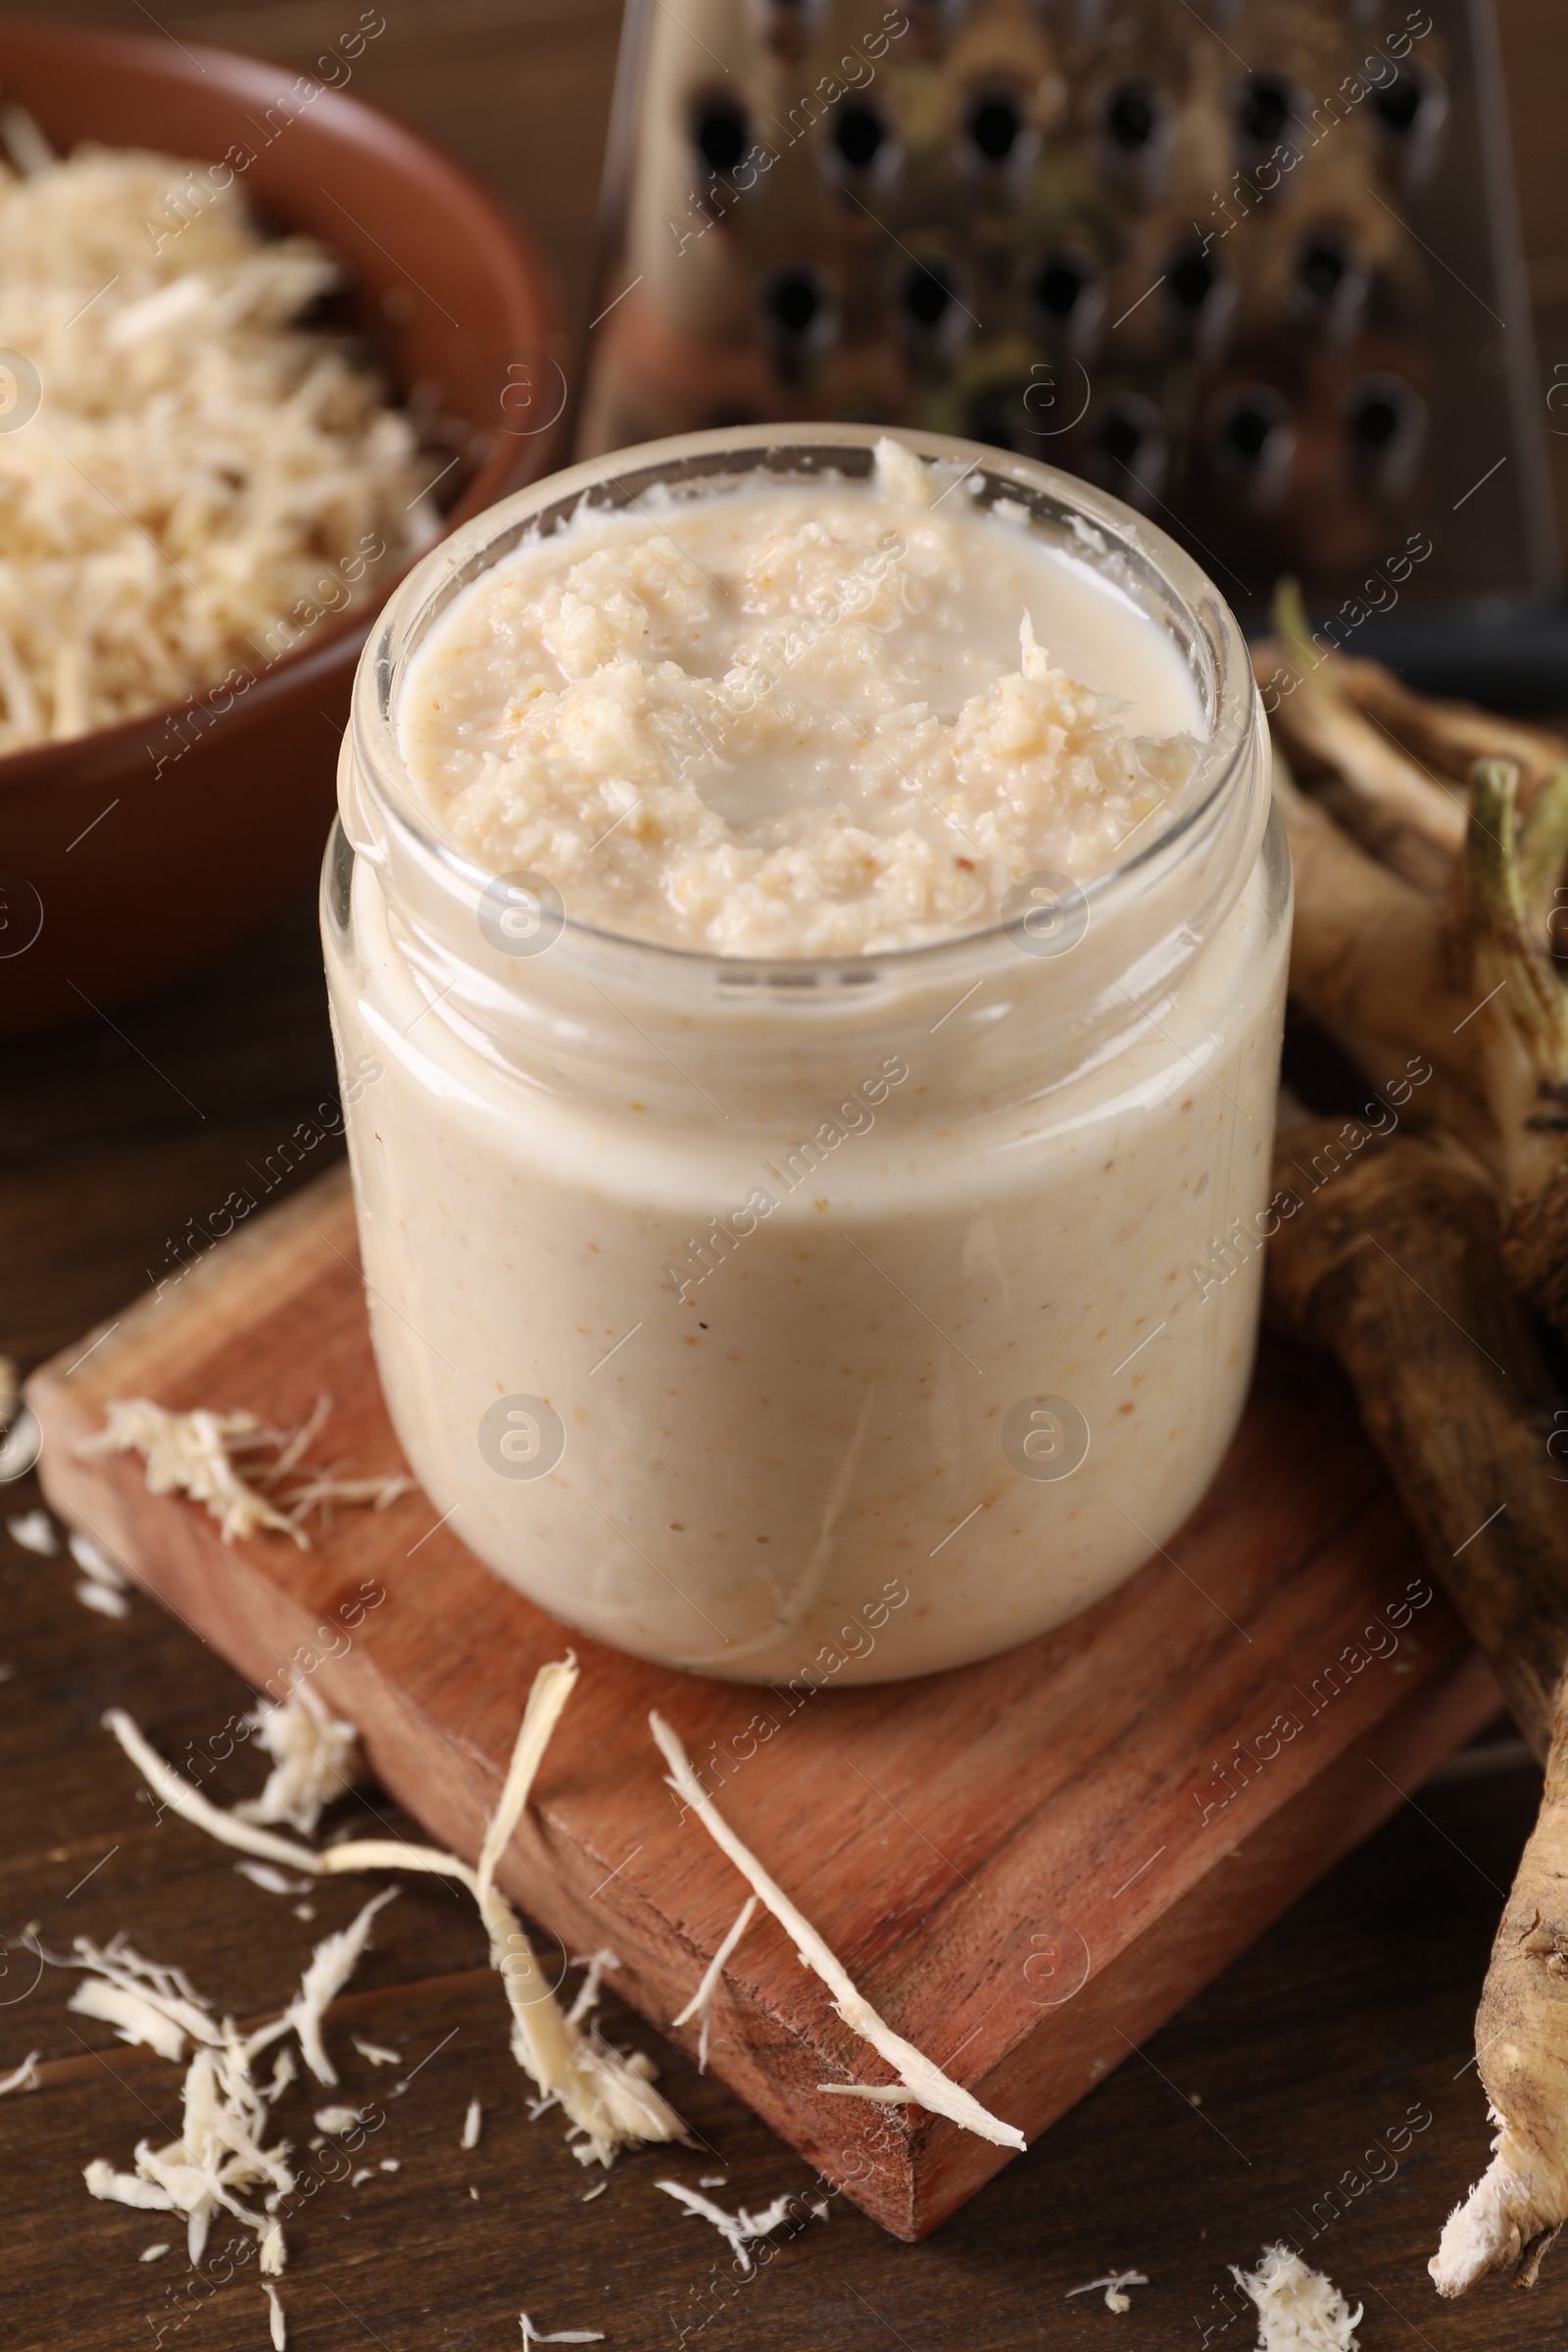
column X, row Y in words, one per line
column 807, row 968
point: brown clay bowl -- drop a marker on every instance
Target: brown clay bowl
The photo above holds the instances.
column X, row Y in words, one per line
column 130, row 855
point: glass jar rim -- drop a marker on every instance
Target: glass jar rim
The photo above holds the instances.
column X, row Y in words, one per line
column 615, row 483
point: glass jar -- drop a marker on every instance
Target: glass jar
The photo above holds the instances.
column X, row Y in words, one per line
column 819, row 1321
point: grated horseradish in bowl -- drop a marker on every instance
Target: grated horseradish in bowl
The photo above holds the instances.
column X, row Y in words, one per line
column 807, row 950
column 206, row 487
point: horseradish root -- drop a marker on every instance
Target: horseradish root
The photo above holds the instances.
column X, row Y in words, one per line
column 1384, row 967
column 1518, row 2206
column 1377, row 792
column 1392, row 1257
column 1417, row 1261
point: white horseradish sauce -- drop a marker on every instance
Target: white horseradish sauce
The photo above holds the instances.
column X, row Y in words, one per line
column 790, row 1320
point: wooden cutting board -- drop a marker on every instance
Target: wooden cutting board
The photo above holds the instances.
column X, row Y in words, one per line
column 1027, row 1865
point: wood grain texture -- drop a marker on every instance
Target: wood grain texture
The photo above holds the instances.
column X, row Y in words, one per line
column 1027, row 1864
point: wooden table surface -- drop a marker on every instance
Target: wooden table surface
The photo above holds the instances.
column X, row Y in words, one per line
column 1264, row 2111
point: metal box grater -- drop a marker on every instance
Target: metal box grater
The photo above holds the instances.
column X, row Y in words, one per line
column 1253, row 268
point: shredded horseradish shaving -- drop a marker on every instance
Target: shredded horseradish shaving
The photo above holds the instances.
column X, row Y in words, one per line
column 735, row 2228
column 920, row 2081
column 606, row 2096
column 189, row 1453
column 132, row 2015
column 562, row 2335
column 1298, row 2310
column 334, row 1962
column 270, row 1881
column 316, row 1759
column 103, row 1599
column 276, row 2323
column 21, row 2078
column 319, row 1493
column 472, row 2123
column 701, row 2003
column 35, row 1531
column 194, row 1453
column 221, row 2152
column 336, row 2120
column 1115, row 2284
column 144, row 2001
column 377, row 2052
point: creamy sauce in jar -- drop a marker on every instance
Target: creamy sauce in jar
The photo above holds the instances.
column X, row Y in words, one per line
column 821, row 720
column 803, row 1321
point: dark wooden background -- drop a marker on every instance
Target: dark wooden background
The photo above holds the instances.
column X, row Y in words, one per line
column 1262, row 2111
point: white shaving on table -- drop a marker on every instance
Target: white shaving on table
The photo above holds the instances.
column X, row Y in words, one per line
column 220, row 2155
column 155, row 2253
column 1115, row 2284
column 103, row 1598
column 472, row 2123
column 606, row 2096
column 562, row 2335
column 276, row 2323
column 133, row 2016
column 701, row 2003
column 1298, row 2310
column 316, row 1759
column 334, row 1961
column 188, row 1453
column 270, row 1881
column 177, row 1793
column 35, row 1531
column 144, row 2001
column 21, row 2078
column 921, row 2083
column 221, row 2151
column 737, row 2229
column 377, row 2052
column 338, row 2120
